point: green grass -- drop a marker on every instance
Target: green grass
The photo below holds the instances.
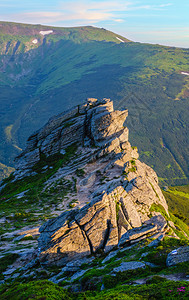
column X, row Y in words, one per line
column 39, row 290
column 80, row 172
column 180, row 225
column 35, row 183
column 23, row 212
column 161, row 290
column 45, row 290
column 178, row 199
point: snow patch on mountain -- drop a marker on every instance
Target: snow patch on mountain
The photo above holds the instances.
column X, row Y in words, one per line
column 46, row 32
column 185, row 73
column 120, row 40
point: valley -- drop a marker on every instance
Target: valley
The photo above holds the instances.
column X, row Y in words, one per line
column 41, row 79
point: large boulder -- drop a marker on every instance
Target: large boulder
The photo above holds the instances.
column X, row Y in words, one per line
column 177, row 256
column 78, row 233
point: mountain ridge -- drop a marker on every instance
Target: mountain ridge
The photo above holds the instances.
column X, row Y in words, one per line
column 145, row 78
column 44, row 31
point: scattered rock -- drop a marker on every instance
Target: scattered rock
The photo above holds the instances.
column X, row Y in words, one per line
column 136, row 233
column 21, row 194
column 28, row 274
column 141, row 280
column 16, row 275
column 144, row 254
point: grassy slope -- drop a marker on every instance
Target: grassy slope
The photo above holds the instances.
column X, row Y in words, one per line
column 90, row 62
column 47, row 291
column 178, row 199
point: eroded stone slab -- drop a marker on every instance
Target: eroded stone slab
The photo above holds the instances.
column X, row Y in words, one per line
column 130, row 265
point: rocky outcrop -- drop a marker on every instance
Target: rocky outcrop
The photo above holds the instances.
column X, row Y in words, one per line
column 111, row 193
column 93, row 124
column 115, row 191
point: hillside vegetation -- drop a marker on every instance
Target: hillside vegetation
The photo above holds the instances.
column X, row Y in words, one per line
column 178, row 200
column 108, row 232
column 42, row 79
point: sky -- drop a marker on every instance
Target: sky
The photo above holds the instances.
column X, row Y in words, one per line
column 164, row 22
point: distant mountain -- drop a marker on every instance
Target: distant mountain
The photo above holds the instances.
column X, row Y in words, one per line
column 45, row 70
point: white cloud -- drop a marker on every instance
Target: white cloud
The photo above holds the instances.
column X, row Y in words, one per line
column 83, row 11
column 89, row 12
column 165, row 5
column 149, row 7
column 119, row 20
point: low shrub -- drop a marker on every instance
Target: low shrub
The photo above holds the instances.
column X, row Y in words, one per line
column 39, row 290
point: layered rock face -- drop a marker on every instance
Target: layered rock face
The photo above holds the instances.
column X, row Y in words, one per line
column 93, row 124
column 114, row 192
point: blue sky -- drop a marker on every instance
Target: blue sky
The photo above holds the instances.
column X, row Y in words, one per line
column 164, row 22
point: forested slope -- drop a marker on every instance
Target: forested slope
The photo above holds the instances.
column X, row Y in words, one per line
column 39, row 79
